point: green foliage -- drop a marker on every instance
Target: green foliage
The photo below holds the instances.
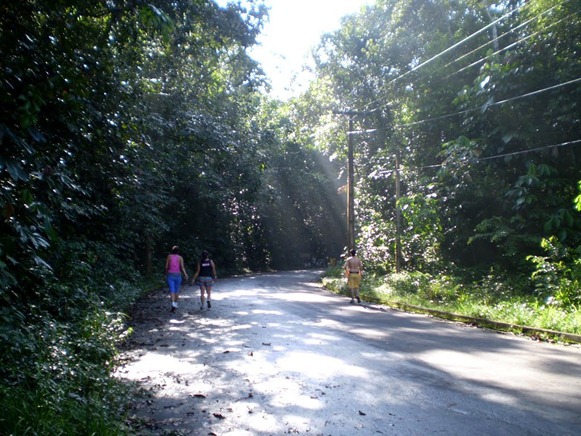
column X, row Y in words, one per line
column 423, row 233
column 377, row 241
column 298, row 203
column 557, row 276
column 61, row 381
column 493, row 296
column 577, row 200
column 123, row 130
column 479, row 108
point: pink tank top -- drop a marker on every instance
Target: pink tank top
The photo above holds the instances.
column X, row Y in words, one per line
column 174, row 264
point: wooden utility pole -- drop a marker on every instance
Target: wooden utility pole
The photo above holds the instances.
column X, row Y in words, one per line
column 383, row 140
column 397, row 215
column 350, row 189
column 350, row 178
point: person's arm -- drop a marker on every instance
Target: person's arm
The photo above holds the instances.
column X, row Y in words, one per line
column 167, row 264
column 183, row 268
column 214, row 268
column 197, row 272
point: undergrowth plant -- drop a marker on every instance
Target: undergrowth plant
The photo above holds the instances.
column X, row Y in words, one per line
column 557, row 276
column 55, row 365
column 495, row 297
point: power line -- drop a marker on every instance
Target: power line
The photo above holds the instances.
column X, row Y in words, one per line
column 486, row 106
column 480, row 108
column 515, row 153
column 478, row 32
column 459, row 43
column 379, row 99
column 508, row 47
column 508, row 32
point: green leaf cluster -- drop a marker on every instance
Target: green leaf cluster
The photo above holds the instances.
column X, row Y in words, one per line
column 473, row 108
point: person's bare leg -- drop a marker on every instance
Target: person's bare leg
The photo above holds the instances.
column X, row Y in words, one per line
column 209, row 292
column 202, row 296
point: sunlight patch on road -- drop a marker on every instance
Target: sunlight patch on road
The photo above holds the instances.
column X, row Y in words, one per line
column 319, row 339
column 150, row 363
column 304, row 297
column 176, row 321
column 266, row 312
column 466, row 366
column 371, row 333
column 316, row 365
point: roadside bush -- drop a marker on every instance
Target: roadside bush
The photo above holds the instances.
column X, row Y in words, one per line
column 495, row 296
column 409, row 283
column 56, row 355
column 557, row 276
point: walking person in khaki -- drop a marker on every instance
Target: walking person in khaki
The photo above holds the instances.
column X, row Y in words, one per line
column 354, row 271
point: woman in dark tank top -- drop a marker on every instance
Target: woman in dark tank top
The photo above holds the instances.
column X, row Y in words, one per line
column 205, row 277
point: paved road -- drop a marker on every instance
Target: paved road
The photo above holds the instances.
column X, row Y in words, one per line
column 277, row 354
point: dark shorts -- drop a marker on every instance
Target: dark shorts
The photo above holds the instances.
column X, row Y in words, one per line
column 205, row 281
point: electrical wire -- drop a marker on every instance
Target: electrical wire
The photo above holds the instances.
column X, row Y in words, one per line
column 449, row 49
column 459, row 43
column 486, row 106
column 515, row 153
column 384, row 87
column 384, row 172
column 508, row 47
column 495, row 40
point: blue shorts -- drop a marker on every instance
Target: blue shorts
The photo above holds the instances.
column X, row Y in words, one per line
column 174, row 281
column 205, row 281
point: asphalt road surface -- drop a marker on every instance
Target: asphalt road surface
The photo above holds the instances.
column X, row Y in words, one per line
column 278, row 354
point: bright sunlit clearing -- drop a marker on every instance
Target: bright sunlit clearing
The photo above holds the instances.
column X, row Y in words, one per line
column 317, row 366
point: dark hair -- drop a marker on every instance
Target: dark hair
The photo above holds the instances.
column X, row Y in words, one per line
column 175, row 249
column 205, row 255
column 353, row 252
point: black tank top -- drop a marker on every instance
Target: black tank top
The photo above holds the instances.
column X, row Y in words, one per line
column 206, row 268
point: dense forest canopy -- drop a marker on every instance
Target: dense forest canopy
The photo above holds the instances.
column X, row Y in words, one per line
column 477, row 103
column 127, row 127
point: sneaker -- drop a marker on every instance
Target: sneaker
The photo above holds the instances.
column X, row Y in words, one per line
column 209, row 304
column 201, row 307
column 173, row 308
column 358, row 300
column 352, row 301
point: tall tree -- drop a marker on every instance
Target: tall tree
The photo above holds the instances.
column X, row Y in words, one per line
column 443, row 81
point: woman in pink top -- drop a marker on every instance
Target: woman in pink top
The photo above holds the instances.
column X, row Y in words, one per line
column 174, row 268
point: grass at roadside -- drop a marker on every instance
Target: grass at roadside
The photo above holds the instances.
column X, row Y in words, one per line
column 490, row 299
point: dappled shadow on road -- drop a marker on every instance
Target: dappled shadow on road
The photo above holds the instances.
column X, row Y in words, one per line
column 280, row 355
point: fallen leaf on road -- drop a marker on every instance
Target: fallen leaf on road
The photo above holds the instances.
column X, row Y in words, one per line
column 219, row 416
column 266, row 343
column 199, row 396
column 362, row 414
